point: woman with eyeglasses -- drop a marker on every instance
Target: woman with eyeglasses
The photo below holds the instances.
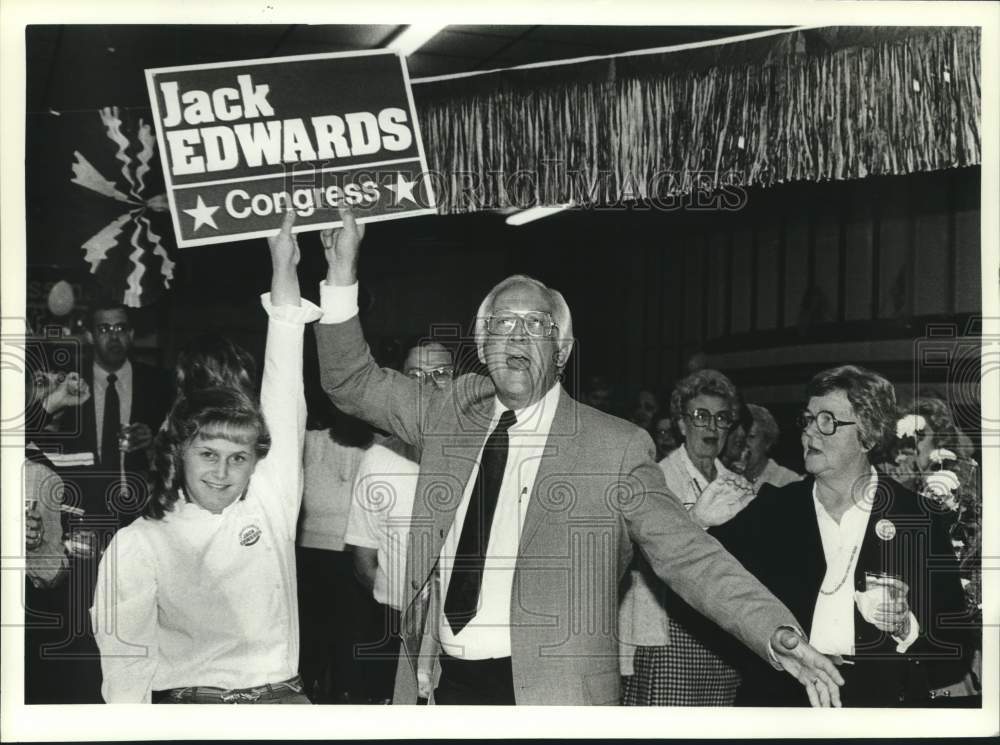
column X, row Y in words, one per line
column 864, row 564
column 671, row 655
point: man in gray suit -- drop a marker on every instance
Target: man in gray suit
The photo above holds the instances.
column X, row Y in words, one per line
column 526, row 510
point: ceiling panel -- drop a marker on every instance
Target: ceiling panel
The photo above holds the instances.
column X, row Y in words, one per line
column 627, row 38
column 465, row 44
column 508, row 31
column 344, row 35
column 423, row 65
column 526, row 51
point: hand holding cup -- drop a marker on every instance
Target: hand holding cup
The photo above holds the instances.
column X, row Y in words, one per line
column 884, row 604
column 135, row 436
column 34, row 530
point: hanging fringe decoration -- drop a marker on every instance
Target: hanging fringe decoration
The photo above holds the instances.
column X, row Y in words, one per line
column 810, row 105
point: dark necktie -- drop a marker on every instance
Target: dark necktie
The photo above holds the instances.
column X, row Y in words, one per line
column 462, row 601
column 111, row 425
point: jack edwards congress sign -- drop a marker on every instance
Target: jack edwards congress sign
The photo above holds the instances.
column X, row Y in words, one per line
column 242, row 142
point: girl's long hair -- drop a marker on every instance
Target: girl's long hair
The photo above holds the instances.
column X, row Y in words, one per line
column 212, row 360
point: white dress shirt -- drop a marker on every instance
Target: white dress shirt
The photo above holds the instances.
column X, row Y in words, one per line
column 199, row 599
column 487, row 634
column 123, row 385
column 381, row 513
column 833, row 619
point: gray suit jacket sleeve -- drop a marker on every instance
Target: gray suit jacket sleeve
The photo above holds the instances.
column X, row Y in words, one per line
column 693, row 563
column 358, row 386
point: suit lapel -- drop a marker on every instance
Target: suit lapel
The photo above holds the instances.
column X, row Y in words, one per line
column 877, row 554
column 445, row 469
column 562, row 451
column 812, row 570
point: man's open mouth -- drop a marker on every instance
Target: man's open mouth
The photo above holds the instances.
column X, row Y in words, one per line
column 518, row 362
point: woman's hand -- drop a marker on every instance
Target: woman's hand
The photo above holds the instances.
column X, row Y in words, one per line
column 284, row 259
column 285, row 246
column 885, row 606
column 341, row 247
column 720, row 502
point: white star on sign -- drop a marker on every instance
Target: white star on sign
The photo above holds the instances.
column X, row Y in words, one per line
column 403, row 189
column 202, row 214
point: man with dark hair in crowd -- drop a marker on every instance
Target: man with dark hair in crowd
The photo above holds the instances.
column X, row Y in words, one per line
column 129, row 399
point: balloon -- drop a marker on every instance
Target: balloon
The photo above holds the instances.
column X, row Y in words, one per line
column 61, row 298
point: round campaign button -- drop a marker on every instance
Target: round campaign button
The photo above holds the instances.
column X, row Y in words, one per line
column 250, row 535
column 885, row 530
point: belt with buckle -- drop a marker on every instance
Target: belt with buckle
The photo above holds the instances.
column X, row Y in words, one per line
column 211, row 694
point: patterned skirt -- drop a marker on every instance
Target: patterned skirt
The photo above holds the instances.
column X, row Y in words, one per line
column 685, row 673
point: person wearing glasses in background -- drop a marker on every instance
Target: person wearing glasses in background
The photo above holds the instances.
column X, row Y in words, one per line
column 671, row 655
column 380, row 520
column 865, row 564
column 129, row 401
column 525, row 511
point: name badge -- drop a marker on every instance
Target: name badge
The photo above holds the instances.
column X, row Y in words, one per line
column 250, row 535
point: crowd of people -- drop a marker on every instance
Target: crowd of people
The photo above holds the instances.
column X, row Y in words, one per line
column 430, row 535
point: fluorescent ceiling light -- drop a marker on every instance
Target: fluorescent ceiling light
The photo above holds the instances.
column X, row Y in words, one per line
column 413, row 37
column 536, row 213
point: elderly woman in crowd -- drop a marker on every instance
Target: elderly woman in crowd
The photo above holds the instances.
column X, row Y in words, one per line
column 837, row 549
column 664, row 433
column 753, row 446
column 671, row 656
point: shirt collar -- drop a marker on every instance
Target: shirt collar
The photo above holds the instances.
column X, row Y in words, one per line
column 534, row 418
column 694, row 473
column 122, row 374
column 188, row 509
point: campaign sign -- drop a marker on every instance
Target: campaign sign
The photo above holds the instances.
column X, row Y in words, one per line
column 243, row 142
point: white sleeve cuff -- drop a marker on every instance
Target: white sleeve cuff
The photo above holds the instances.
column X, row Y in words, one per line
column 304, row 312
column 904, row 644
column 338, row 303
column 771, row 655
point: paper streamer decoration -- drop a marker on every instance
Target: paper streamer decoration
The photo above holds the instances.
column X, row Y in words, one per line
column 131, row 258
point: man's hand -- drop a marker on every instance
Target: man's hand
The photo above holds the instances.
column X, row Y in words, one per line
column 71, row 390
column 341, row 248
column 812, row 669
column 721, row 501
column 137, row 436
